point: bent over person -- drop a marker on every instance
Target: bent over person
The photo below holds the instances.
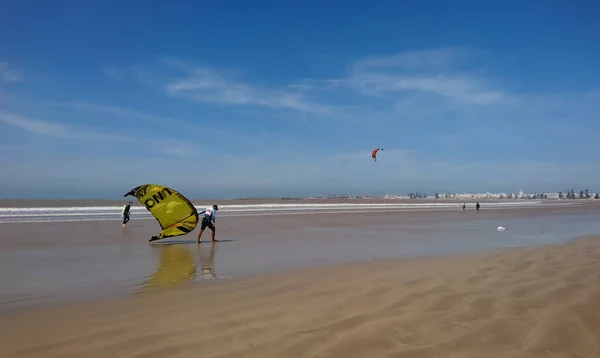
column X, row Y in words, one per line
column 208, row 220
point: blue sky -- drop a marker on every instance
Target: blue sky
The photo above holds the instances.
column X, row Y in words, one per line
column 237, row 98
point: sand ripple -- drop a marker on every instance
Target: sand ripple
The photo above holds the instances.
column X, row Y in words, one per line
column 521, row 302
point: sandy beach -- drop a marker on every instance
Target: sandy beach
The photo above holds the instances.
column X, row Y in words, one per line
column 526, row 301
column 517, row 302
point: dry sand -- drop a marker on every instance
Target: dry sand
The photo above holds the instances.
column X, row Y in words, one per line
column 518, row 302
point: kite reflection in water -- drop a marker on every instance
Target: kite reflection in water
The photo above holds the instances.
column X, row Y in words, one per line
column 177, row 265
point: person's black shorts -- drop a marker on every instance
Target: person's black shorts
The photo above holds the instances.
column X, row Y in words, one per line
column 206, row 222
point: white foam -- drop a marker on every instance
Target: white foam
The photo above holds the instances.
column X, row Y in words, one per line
column 103, row 213
column 262, row 207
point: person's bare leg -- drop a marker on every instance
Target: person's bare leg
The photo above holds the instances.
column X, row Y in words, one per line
column 200, row 235
column 213, row 235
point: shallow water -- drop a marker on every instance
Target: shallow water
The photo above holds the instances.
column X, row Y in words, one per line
column 36, row 214
column 34, row 276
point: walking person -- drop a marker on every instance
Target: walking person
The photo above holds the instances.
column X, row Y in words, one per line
column 125, row 213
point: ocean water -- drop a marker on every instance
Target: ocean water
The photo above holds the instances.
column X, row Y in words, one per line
column 103, row 213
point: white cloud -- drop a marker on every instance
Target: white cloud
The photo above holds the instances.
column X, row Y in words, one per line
column 210, row 137
column 56, row 130
column 132, row 73
column 412, row 60
column 7, row 74
column 124, row 112
column 446, row 85
column 461, row 88
column 414, row 84
column 34, row 126
column 427, row 72
column 207, row 86
column 215, row 141
column 394, row 78
column 307, row 84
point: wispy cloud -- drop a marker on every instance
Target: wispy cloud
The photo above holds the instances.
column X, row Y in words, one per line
column 124, row 112
column 414, row 85
column 461, row 88
column 396, row 77
column 413, row 60
column 56, row 130
column 132, row 74
column 7, row 74
column 34, row 126
column 170, row 147
column 218, row 133
column 175, row 146
column 430, row 72
column 204, row 85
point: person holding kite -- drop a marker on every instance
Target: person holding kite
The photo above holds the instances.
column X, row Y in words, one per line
column 208, row 220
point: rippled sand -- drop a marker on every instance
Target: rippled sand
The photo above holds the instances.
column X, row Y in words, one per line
column 518, row 302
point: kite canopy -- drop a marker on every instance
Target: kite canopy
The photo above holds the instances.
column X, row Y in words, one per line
column 174, row 212
column 374, row 152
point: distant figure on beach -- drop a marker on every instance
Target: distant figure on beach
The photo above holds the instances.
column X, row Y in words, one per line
column 477, row 206
column 125, row 213
column 464, row 206
column 208, row 220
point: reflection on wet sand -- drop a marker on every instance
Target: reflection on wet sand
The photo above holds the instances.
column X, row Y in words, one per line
column 207, row 264
column 177, row 265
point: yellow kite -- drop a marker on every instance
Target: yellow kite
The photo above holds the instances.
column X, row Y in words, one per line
column 173, row 211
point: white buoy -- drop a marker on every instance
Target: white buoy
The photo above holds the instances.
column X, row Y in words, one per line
column 501, row 228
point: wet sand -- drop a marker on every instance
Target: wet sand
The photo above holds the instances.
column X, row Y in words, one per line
column 515, row 302
column 49, row 235
column 63, row 263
